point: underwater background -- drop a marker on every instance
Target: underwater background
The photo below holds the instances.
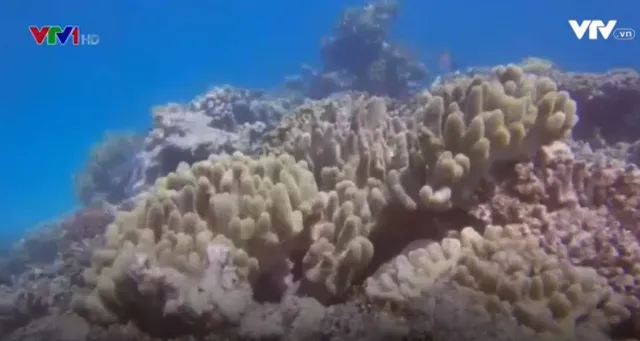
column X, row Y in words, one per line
column 58, row 101
column 325, row 170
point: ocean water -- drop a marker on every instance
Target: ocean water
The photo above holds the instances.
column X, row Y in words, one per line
column 56, row 102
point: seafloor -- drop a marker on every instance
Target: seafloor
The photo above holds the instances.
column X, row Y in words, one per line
column 356, row 203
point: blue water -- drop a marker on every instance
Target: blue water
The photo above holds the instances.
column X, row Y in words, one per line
column 57, row 101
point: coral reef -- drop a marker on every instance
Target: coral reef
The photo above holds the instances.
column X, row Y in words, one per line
column 44, row 269
column 437, row 157
column 110, row 169
column 599, row 96
column 48, row 242
column 479, row 208
column 223, row 119
column 39, row 246
column 33, row 294
column 509, row 272
column 360, row 202
column 85, row 224
column 360, row 56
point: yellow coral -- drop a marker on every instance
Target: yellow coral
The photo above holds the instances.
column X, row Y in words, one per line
column 507, row 117
column 508, row 271
column 258, row 208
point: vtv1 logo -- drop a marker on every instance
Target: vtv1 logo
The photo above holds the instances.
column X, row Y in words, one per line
column 597, row 26
column 55, row 34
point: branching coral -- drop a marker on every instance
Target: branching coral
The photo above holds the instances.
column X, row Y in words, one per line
column 265, row 211
column 468, row 127
column 509, row 272
column 437, row 158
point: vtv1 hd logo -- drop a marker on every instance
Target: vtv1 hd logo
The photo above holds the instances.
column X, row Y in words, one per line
column 56, row 34
column 598, row 26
